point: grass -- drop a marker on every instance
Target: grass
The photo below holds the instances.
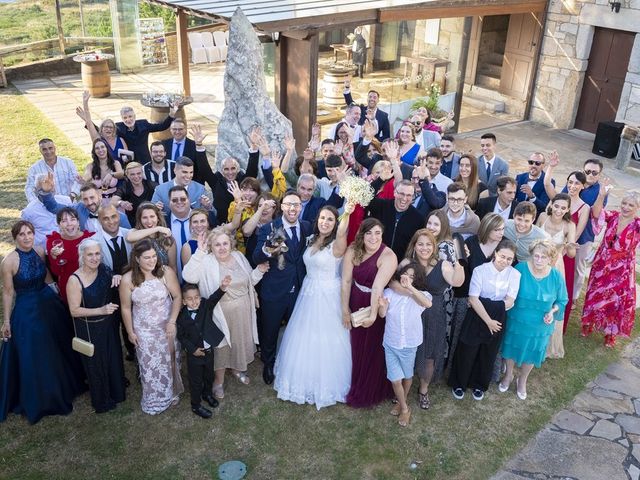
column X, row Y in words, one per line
column 453, row 440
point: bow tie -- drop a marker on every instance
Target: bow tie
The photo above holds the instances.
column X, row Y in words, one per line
column 93, row 215
column 534, row 179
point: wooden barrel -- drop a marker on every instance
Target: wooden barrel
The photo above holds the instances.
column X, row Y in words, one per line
column 96, row 78
column 158, row 114
column 333, row 83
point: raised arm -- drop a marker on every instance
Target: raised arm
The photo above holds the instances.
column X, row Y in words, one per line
column 554, row 159
column 598, row 205
column 84, row 113
column 340, row 244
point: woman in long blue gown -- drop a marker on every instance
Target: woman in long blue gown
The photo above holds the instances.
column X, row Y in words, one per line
column 39, row 372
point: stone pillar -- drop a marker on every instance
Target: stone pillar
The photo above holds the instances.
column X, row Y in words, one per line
column 630, row 135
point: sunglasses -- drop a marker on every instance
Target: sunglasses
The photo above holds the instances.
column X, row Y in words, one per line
column 533, row 162
column 592, row 172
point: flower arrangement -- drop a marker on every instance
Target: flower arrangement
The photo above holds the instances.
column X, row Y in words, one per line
column 356, row 190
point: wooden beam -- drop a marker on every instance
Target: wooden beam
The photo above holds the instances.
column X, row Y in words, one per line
column 59, row 25
column 322, row 22
column 426, row 12
column 183, row 50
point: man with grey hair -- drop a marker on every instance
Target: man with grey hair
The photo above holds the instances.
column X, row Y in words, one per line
column 351, row 118
column 229, row 172
column 136, row 132
column 63, row 170
column 310, row 205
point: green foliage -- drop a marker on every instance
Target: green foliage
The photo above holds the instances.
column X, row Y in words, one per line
column 148, row 10
column 430, row 103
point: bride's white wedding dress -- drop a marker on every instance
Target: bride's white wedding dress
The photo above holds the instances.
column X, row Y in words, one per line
column 313, row 364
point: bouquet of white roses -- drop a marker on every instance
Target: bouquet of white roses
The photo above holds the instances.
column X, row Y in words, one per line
column 356, row 190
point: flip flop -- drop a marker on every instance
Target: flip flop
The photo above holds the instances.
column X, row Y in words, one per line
column 242, row 377
column 218, row 391
column 404, row 417
column 395, row 411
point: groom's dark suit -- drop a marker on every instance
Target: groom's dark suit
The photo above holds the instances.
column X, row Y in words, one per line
column 279, row 288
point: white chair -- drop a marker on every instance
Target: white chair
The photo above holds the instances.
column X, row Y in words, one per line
column 213, row 53
column 198, row 53
column 220, row 41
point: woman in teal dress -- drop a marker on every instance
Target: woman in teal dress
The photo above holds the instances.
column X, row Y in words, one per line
column 530, row 323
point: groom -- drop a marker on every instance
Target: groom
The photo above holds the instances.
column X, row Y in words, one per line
column 280, row 285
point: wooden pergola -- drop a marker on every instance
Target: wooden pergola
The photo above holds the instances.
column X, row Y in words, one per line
column 298, row 22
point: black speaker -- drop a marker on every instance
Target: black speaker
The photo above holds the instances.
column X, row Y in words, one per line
column 607, row 139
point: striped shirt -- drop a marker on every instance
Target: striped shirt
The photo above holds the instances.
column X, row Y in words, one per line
column 65, row 175
column 164, row 176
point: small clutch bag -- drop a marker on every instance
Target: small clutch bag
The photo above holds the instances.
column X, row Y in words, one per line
column 357, row 318
column 82, row 346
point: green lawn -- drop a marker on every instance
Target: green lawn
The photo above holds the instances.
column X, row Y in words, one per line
column 452, row 440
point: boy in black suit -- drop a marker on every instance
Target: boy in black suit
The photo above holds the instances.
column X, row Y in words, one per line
column 198, row 335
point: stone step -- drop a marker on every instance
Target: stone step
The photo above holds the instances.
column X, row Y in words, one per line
column 478, row 91
column 494, row 58
column 488, row 81
column 485, row 104
column 490, row 69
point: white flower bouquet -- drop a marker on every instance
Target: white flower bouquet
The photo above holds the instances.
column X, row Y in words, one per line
column 356, row 190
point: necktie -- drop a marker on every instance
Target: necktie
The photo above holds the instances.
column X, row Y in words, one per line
column 177, row 153
column 488, row 171
column 294, row 237
column 183, row 233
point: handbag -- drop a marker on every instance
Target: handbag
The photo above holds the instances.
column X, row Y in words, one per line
column 78, row 344
column 359, row 317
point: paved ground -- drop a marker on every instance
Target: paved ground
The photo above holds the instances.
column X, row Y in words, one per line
column 597, row 437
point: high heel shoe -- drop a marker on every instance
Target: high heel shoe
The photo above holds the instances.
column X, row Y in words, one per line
column 521, row 395
column 502, row 387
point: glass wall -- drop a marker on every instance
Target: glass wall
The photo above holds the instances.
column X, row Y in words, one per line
column 406, row 62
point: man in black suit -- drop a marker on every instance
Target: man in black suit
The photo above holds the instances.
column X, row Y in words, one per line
column 370, row 110
column 136, row 132
column 199, row 335
column 504, row 204
column 400, row 219
column 280, row 286
column 310, row 205
column 180, row 145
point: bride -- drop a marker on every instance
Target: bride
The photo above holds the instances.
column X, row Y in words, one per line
column 314, row 361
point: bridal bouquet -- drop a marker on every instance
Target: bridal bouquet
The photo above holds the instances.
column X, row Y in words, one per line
column 356, row 190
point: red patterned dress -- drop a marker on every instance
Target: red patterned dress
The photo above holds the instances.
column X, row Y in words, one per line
column 610, row 300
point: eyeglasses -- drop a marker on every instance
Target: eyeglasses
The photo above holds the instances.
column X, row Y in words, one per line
column 455, row 200
column 292, row 205
column 592, row 172
column 417, row 124
column 179, row 200
column 533, row 162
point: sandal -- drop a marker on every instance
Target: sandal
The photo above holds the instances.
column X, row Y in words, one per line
column 395, row 411
column 218, row 391
column 242, row 377
column 403, row 419
column 423, row 400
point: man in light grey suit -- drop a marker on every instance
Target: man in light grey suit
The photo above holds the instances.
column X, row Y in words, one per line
column 115, row 255
column 198, row 197
column 490, row 166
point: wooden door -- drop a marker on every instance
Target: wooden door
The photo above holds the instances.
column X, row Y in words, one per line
column 474, row 50
column 604, row 78
column 520, row 51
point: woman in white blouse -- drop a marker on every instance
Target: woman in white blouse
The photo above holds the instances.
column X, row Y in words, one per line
column 492, row 291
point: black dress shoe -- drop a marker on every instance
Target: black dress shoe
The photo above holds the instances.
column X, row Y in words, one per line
column 267, row 374
column 210, row 400
column 201, row 411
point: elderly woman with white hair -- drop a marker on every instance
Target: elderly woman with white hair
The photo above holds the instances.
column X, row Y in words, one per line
column 90, row 292
column 235, row 315
column 610, row 301
column 530, row 323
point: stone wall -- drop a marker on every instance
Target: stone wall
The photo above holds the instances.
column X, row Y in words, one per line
column 564, row 58
column 50, row 67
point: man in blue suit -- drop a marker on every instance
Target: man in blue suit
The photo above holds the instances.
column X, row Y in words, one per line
column 531, row 184
column 381, row 119
column 310, row 205
column 490, row 166
column 281, row 284
column 184, row 175
column 87, row 209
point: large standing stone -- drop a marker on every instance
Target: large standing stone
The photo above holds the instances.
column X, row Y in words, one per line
column 246, row 101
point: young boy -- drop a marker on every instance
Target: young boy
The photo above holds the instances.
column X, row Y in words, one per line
column 198, row 335
column 402, row 305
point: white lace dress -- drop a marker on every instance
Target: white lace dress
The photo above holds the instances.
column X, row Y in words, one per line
column 313, row 364
column 157, row 358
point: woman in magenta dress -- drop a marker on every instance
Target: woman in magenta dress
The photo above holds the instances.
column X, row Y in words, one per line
column 368, row 266
column 610, row 301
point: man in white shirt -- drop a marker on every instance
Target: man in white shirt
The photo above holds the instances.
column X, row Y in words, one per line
column 178, row 220
column 327, row 186
column 63, row 169
column 351, row 118
column 434, row 162
column 159, row 169
column 43, row 221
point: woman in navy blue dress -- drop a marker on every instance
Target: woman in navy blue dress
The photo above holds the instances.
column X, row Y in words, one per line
column 39, row 373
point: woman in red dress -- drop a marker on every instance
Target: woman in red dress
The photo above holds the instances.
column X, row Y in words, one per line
column 367, row 268
column 610, row 300
column 62, row 248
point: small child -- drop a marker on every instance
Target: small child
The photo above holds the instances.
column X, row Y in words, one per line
column 198, row 335
column 402, row 305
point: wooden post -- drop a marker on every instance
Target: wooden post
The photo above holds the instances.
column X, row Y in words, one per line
column 3, row 78
column 82, row 29
column 183, row 50
column 59, row 24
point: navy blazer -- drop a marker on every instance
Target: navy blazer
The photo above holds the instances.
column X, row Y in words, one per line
column 277, row 284
column 202, row 172
column 486, row 205
column 310, row 212
column 138, row 138
column 542, row 199
column 384, row 130
column 430, row 198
